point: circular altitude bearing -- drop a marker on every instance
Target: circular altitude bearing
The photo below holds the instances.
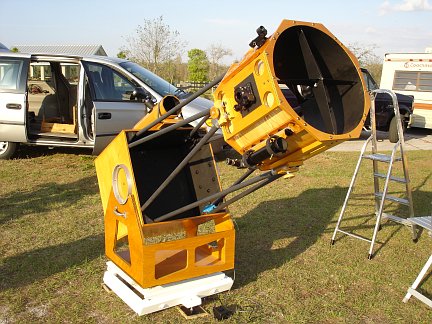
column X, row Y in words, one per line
column 115, row 183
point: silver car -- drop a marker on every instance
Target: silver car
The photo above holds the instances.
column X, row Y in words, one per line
column 76, row 101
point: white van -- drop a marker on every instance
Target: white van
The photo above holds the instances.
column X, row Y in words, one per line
column 75, row 101
column 411, row 74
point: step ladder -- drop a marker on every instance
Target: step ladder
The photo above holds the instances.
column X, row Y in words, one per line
column 381, row 196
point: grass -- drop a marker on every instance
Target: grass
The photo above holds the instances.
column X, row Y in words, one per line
column 52, row 247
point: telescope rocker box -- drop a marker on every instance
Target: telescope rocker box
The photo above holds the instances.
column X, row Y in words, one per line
column 155, row 253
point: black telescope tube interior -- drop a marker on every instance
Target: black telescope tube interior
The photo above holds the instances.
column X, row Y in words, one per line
column 322, row 77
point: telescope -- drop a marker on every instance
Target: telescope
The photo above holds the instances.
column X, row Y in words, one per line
column 295, row 94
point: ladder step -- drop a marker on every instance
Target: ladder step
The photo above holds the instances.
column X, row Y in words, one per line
column 397, row 219
column 396, row 179
column 393, row 198
column 354, row 235
column 381, row 157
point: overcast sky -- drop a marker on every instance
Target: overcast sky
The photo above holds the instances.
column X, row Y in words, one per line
column 392, row 25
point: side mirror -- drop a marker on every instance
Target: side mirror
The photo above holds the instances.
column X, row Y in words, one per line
column 140, row 93
column 144, row 96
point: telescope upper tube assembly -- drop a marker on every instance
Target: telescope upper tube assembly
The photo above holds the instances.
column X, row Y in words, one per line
column 300, row 85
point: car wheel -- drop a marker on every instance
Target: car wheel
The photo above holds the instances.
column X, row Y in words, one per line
column 7, row 150
column 393, row 132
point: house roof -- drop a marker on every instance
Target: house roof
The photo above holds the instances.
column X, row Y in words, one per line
column 3, row 48
column 62, row 49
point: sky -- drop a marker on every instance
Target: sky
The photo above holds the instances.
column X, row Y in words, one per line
column 387, row 25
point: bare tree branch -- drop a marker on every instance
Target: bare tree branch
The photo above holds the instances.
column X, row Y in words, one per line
column 154, row 44
column 365, row 53
column 216, row 53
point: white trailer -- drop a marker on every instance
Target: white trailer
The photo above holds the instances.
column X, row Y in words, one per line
column 411, row 74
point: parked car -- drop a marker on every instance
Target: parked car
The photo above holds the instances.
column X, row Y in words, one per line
column 384, row 112
column 75, row 101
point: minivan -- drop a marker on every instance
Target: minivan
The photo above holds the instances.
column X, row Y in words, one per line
column 75, row 101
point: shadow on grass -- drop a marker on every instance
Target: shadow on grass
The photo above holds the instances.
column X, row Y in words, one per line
column 30, row 151
column 44, row 198
column 32, row 266
column 422, row 201
column 277, row 231
column 422, row 207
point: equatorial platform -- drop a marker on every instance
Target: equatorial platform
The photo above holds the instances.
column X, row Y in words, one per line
column 149, row 300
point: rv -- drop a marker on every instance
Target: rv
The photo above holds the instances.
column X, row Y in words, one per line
column 411, row 74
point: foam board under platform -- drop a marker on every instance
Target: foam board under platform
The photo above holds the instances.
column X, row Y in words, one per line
column 148, row 300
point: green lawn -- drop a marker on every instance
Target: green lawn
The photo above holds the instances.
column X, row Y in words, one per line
column 52, row 255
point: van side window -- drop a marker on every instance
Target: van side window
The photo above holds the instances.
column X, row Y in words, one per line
column 107, row 84
column 10, row 74
column 412, row 81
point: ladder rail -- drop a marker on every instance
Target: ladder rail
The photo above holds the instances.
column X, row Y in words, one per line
column 381, row 202
column 401, row 143
column 408, row 188
column 351, row 187
column 374, row 146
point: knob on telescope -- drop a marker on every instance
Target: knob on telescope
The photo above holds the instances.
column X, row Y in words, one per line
column 260, row 39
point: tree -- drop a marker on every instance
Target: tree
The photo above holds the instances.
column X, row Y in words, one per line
column 365, row 53
column 122, row 55
column 216, row 53
column 15, row 49
column 176, row 70
column 198, row 65
column 153, row 45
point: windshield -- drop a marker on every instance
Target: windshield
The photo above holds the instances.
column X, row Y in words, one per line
column 370, row 82
column 156, row 83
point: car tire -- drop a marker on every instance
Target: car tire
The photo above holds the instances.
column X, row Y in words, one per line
column 393, row 132
column 7, row 150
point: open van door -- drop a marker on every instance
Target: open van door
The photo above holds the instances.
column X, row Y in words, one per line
column 13, row 92
column 113, row 107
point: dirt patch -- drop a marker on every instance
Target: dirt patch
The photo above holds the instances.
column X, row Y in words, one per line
column 4, row 317
column 38, row 311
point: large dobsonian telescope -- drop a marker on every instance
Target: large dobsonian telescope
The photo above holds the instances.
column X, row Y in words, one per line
column 168, row 232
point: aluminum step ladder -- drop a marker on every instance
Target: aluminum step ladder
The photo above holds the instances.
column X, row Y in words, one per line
column 426, row 223
column 381, row 196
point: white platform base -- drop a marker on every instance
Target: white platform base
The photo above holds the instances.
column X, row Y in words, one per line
column 145, row 301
